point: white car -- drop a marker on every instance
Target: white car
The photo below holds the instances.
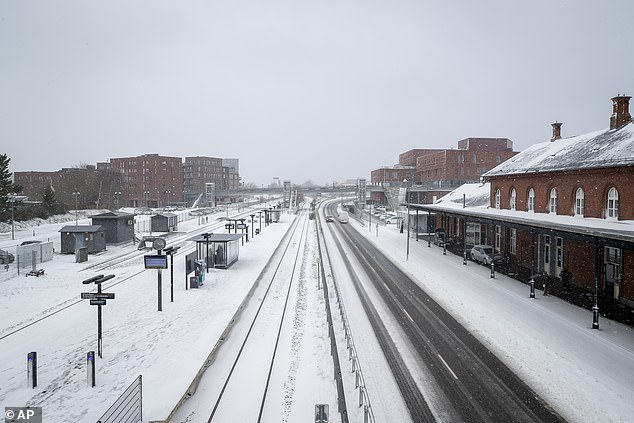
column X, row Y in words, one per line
column 485, row 255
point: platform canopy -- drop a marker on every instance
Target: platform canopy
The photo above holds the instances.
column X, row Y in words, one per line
column 217, row 238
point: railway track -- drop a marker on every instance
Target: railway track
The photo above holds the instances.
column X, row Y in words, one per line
column 244, row 369
column 110, row 263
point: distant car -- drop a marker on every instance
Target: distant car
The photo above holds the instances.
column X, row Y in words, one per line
column 485, row 255
column 329, row 218
column 6, row 257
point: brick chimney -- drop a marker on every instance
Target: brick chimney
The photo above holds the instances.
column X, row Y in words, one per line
column 620, row 111
column 556, row 131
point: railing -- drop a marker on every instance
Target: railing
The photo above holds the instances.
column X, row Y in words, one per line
column 128, row 407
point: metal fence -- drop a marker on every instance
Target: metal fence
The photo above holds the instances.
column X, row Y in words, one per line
column 128, row 407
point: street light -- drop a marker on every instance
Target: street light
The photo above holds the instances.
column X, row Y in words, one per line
column 146, row 195
column 407, row 202
column 76, row 194
column 13, row 198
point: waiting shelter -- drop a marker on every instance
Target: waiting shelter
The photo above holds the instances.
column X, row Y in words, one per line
column 272, row 215
column 218, row 250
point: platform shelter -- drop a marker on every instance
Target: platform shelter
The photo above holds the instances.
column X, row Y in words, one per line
column 218, row 250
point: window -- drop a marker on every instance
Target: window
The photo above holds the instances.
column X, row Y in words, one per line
column 498, row 237
column 513, row 241
column 546, row 249
column 498, row 159
column 475, row 158
column 513, row 199
column 579, row 202
column 559, row 252
column 552, row 204
column 497, row 198
column 612, row 211
column 531, row 200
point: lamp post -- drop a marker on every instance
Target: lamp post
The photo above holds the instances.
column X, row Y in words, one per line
column 12, row 199
column 146, row 194
column 407, row 202
column 76, row 194
column 260, row 220
column 170, row 251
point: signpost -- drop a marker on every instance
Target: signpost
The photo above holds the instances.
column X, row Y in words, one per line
column 99, row 299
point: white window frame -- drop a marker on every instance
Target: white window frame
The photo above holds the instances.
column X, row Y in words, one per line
column 513, row 199
column 612, row 205
column 530, row 204
column 552, row 201
column 497, row 198
column 580, row 202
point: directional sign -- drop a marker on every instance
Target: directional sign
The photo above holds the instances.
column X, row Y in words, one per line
column 97, row 302
column 97, row 295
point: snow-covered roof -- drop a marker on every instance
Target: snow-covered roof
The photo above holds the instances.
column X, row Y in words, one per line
column 472, row 194
column 600, row 149
column 476, row 198
column 82, row 228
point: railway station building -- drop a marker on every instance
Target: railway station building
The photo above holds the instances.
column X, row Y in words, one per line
column 563, row 209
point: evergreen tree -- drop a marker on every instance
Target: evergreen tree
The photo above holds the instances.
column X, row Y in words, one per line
column 49, row 203
column 7, row 188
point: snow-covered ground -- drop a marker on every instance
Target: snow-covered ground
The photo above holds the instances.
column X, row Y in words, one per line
column 586, row 375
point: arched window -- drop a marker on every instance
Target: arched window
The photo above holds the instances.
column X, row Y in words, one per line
column 612, row 211
column 512, row 199
column 552, row 201
column 530, row 204
column 579, row 202
column 497, row 198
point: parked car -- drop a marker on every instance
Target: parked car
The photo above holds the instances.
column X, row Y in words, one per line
column 392, row 219
column 6, row 257
column 485, row 255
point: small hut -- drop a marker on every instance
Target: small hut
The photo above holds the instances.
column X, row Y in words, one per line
column 164, row 222
column 119, row 227
column 92, row 237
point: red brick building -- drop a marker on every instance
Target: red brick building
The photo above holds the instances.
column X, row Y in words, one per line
column 149, row 180
column 565, row 205
column 435, row 172
column 468, row 163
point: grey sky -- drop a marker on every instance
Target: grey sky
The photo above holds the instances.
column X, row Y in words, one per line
column 303, row 90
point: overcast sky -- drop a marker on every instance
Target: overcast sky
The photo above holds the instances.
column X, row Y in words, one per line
column 301, row 90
